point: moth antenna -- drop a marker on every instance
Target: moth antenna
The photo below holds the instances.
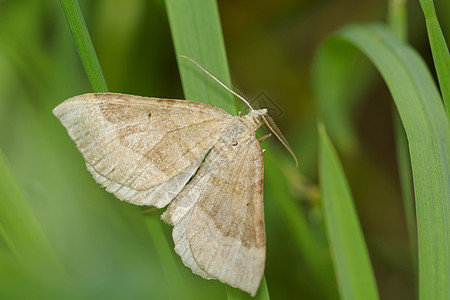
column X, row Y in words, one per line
column 218, row 81
column 274, row 129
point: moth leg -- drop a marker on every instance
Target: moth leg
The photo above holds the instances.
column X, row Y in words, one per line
column 240, row 114
column 264, row 137
column 149, row 210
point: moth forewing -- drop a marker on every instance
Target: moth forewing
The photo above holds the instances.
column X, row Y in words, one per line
column 144, row 150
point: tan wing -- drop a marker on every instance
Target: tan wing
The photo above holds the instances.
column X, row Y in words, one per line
column 144, row 150
column 219, row 218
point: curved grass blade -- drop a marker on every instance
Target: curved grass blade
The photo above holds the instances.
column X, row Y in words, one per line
column 397, row 16
column 348, row 249
column 427, row 128
column 334, row 67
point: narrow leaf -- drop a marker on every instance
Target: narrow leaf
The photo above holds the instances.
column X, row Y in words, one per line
column 439, row 50
column 398, row 23
column 197, row 34
column 26, row 256
column 19, row 229
column 84, row 44
column 314, row 255
column 348, row 249
column 166, row 255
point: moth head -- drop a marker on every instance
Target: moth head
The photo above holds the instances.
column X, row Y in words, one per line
column 257, row 116
column 267, row 120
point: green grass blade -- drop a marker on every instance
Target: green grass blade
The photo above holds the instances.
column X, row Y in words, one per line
column 439, row 50
column 84, row 44
column 406, row 185
column 24, row 249
column 315, row 257
column 19, row 229
column 197, row 34
column 166, row 255
column 333, row 68
column 398, row 23
column 426, row 124
column 397, row 18
column 351, row 259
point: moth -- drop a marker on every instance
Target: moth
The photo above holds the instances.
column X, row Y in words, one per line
column 206, row 164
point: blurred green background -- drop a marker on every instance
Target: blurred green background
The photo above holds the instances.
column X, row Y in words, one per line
column 102, row 244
